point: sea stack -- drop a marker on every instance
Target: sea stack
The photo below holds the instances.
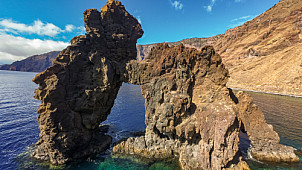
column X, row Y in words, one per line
column 78, row 91
column 190, row 113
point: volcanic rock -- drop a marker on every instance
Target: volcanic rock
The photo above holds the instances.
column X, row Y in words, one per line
column 190, row 113
column 78, row 91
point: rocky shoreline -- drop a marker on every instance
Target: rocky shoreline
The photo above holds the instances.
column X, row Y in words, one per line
column 190, row 112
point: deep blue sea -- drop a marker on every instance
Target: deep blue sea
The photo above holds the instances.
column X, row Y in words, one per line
column 19, row 128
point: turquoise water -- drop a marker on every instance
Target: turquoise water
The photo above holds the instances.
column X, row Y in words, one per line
column 19, row 128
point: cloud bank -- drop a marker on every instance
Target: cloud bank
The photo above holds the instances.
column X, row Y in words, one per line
column 37, row 27
column 14, row 48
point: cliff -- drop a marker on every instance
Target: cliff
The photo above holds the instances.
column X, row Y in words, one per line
column 263, row 54
column 36, row 63
column 190, row 113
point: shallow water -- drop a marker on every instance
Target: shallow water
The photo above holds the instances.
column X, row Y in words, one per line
column 19, row 128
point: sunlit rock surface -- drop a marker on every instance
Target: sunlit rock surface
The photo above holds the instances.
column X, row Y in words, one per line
column 190, row 113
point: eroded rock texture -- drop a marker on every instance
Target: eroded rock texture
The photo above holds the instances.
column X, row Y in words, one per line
column 78, row 92
column 190, row 113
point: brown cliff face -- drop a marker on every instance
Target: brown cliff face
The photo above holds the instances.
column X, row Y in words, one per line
column 264, row 54
column 190, row 113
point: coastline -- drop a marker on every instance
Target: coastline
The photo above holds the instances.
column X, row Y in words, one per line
column 273, row 93
column 233, row 88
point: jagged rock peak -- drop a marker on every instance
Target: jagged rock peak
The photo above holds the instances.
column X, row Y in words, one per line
column 78, row 92
column 113, row 18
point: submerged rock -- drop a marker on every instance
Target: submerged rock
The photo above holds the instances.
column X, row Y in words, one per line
column 190, row 113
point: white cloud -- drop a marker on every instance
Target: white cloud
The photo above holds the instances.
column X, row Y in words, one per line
column 139, row 19
column 38, row 27
column 241, row 20
column 6, row 58
column 210, row 6
column 81, row 30
column 69, row 28
column 14, row 48
column 177, row 5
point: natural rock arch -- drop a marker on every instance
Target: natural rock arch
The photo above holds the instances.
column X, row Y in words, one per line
column 189, row 110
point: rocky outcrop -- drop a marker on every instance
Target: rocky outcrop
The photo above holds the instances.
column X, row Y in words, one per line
column 264, row 140
column 188, row 110
column 36, row 63
column 190, row 113
column 78, row 91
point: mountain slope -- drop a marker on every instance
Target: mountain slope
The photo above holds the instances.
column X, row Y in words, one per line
column 264, row 54
column 36, row 63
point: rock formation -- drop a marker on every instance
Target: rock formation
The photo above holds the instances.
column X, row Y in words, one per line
column 190, row 113
column 78, row 91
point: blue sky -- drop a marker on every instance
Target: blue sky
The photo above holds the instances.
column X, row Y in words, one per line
column 29, row 27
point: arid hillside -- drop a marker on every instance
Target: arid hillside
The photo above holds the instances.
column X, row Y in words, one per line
column 264, row 54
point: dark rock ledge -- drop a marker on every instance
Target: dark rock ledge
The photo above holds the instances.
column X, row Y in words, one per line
column 190, row 113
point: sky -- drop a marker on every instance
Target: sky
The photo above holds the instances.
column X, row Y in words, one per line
column 31, row 27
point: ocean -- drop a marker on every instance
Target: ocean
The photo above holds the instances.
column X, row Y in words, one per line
column 19, row 128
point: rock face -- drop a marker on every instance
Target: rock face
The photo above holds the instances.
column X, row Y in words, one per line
column 78, row 91
column 190, row 113
column 36, row 63
column 265, row 54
